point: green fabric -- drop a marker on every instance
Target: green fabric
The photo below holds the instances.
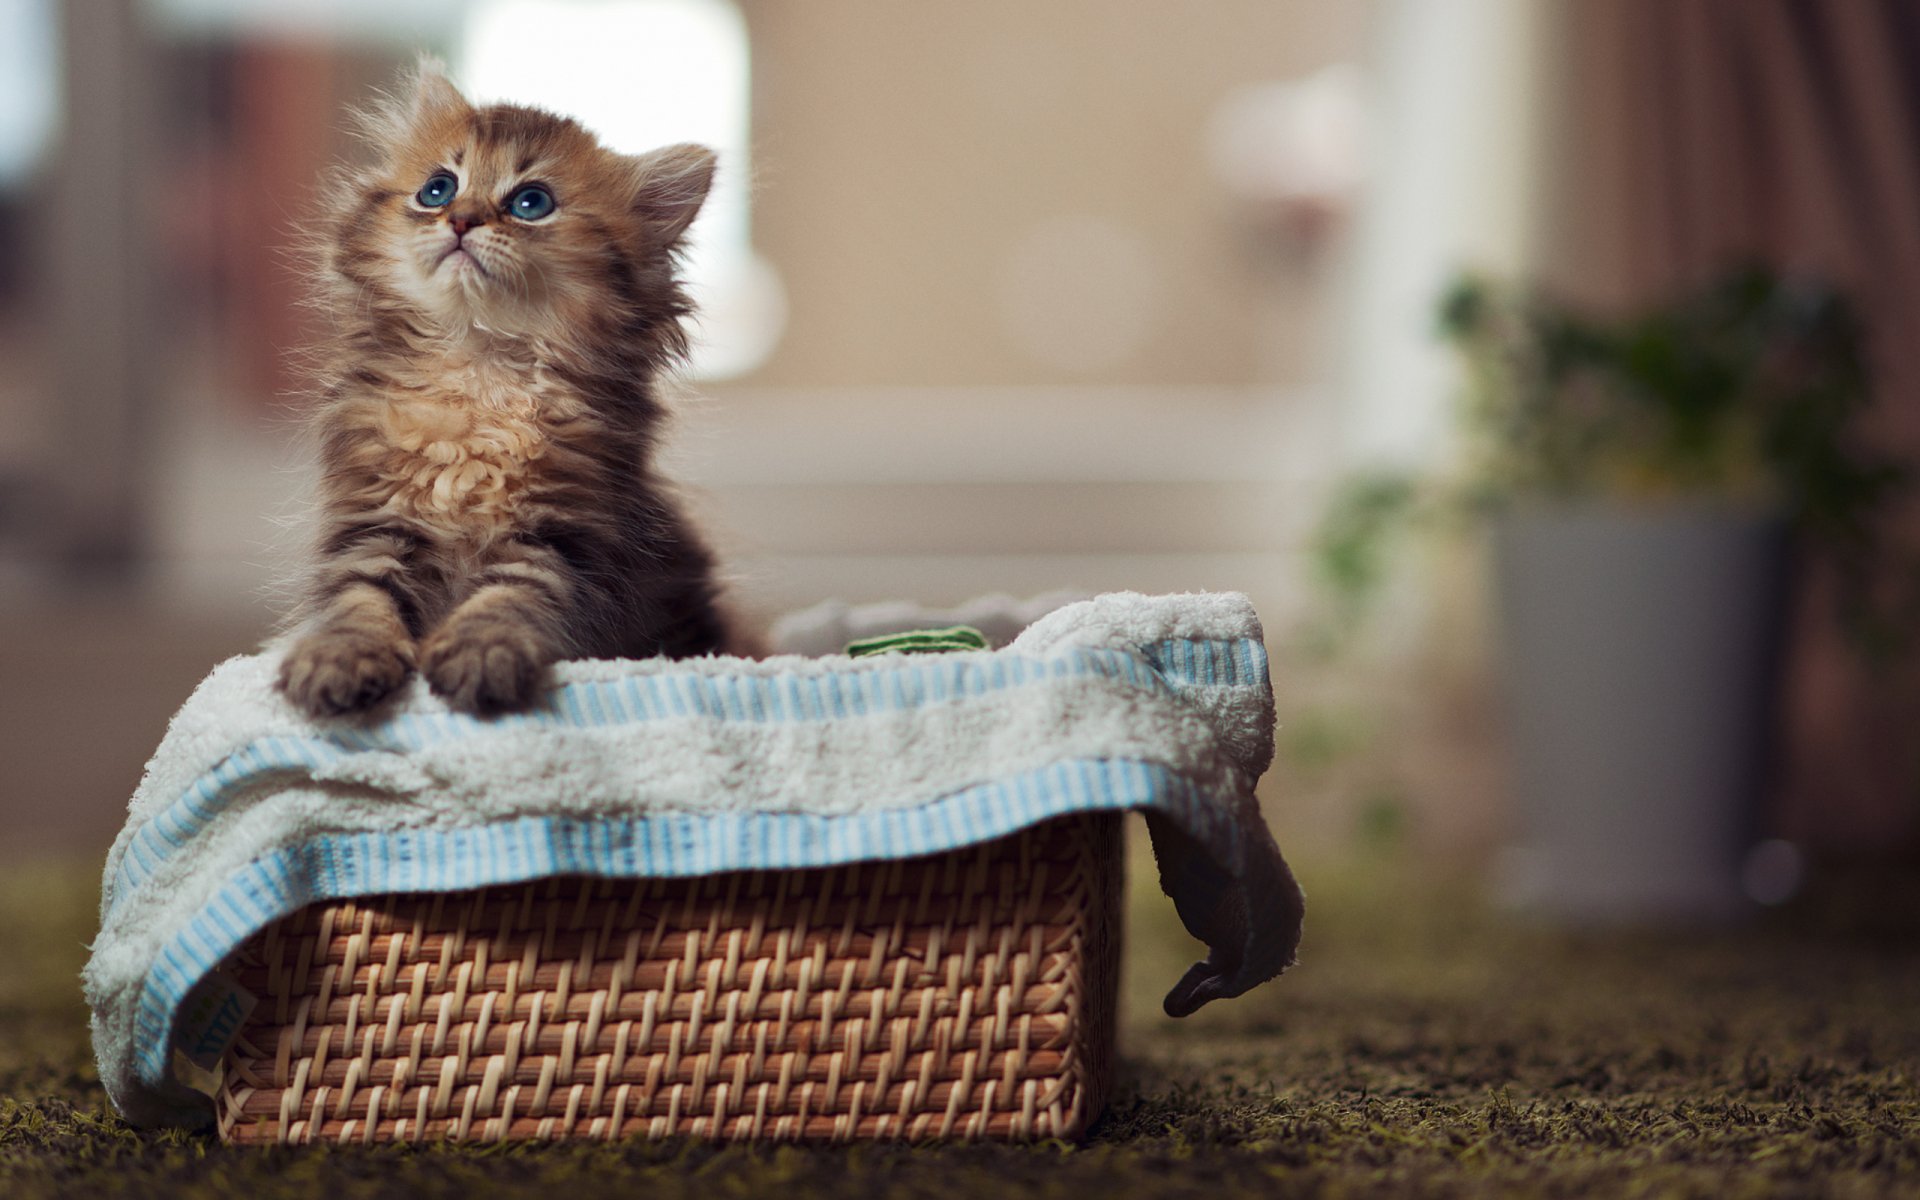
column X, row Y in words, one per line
column 920, row 641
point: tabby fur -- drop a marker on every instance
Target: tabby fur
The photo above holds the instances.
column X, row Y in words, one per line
column 486, row 415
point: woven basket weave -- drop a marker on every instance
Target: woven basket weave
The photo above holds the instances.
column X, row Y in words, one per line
column 962, row 995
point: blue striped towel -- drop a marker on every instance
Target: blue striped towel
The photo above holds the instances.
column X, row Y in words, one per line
column 249, row 811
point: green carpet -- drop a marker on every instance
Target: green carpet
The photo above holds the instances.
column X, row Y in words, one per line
column 1423, row 1048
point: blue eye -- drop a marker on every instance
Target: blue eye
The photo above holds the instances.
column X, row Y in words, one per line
column 438, row 190
column 531, row 202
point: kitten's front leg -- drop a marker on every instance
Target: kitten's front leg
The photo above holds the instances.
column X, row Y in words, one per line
column 492, row 653
column 356, row 654
column 356, row 647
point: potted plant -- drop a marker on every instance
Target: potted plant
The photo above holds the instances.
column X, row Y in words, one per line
column 1645, row 479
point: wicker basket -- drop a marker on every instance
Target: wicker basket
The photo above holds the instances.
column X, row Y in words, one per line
column 962, row 995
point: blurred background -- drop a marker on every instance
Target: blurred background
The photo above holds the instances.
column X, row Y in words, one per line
column 999, row 297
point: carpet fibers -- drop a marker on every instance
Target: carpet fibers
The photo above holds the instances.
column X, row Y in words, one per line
column 1424, row 1047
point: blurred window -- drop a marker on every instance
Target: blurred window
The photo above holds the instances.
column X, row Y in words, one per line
column 29, row 85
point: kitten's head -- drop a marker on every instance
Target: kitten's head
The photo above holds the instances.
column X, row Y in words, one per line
column 513, row 219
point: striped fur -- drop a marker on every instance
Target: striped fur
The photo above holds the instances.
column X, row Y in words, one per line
column 486, row 413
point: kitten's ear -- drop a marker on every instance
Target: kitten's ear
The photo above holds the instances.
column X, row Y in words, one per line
column 669, row 185
column 430, row 95
column 424, row 98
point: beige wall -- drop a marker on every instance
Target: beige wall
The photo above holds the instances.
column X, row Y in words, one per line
column 910, row 158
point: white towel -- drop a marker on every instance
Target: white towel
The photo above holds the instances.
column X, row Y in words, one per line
column 249, row 810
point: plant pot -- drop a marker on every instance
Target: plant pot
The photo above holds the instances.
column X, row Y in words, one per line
column 1640, row 649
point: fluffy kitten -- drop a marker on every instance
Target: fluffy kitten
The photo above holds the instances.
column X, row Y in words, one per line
column 503, row 294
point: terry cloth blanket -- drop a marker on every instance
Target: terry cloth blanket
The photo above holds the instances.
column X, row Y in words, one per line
column 250, row 811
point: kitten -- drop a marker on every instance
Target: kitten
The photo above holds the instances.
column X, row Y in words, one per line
column 503, row 294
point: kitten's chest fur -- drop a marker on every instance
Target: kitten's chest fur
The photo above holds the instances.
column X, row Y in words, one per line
column 459, row 444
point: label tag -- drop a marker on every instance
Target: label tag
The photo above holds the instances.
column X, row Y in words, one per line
column 208, row 1023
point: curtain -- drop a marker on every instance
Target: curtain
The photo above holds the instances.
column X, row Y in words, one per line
column 1690, row 133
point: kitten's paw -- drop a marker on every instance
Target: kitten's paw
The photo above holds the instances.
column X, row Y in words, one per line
column 485, row 671
column 339, row 671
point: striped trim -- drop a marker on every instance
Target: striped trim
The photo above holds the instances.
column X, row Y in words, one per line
column 1192, row 662
column 1175, row 664
column 430, row 860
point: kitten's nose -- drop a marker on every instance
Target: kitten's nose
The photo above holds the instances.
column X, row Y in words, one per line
column 463, row 221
